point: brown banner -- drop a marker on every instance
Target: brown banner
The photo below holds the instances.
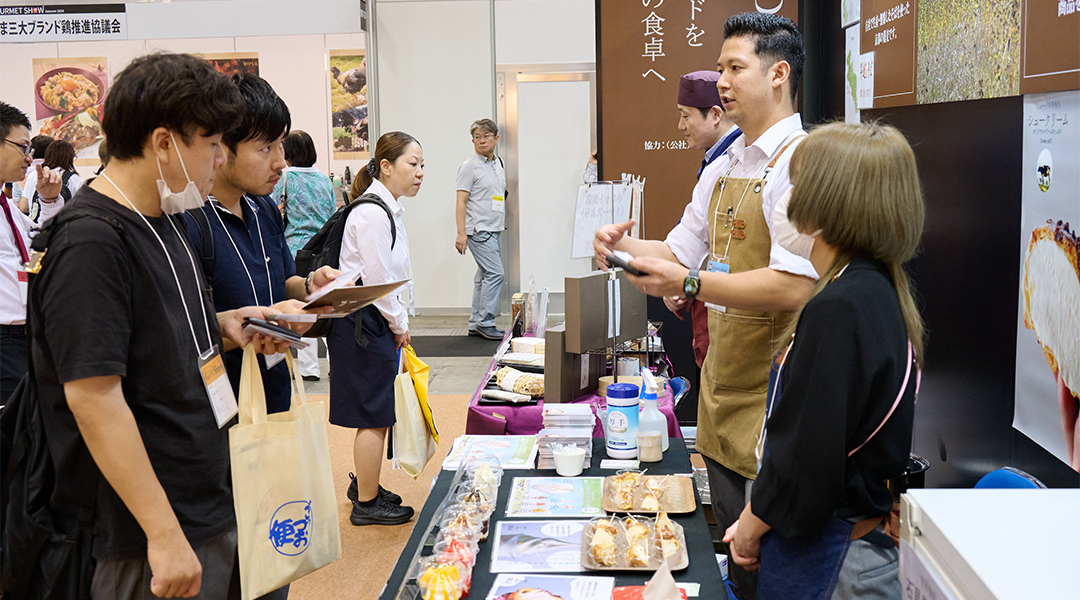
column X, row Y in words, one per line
column 644, row 46
column 888, row 30
column 1050, row 46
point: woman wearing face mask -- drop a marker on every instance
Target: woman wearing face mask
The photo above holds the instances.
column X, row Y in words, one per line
column 364, row 346
column 839, row 417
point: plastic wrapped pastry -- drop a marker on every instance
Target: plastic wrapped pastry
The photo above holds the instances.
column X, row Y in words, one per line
column 513, row 380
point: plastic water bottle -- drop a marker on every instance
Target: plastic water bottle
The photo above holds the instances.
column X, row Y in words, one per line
column 622, row 420
column 651, row 419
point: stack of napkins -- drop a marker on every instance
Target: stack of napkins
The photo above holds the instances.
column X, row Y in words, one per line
column 569, row 415
column 565, row 424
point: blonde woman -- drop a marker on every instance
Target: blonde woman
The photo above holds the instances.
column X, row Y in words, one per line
column 839, row 418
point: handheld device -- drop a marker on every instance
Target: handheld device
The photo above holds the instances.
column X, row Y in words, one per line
column 272, row 330
column 616, row 260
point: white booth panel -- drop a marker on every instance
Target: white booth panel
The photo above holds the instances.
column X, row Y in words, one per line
column 554, row 142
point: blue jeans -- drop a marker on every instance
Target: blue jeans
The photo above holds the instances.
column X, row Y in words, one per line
column 487, row 283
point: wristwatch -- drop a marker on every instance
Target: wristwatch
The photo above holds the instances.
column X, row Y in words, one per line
column 691, row 285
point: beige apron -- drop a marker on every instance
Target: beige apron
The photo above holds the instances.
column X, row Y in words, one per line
column 735, row 376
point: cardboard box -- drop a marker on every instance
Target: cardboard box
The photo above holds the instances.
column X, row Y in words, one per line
column 565, row 372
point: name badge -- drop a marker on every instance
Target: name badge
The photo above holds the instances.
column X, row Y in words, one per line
column 498, row 203
column 218, row 388
column 718, row 264
column 24, row 285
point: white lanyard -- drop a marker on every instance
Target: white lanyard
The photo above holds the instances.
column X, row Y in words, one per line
column 179, row 288
column 262, row 246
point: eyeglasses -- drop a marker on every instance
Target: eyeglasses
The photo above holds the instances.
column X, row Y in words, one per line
column 26, row 149
column 483, row 138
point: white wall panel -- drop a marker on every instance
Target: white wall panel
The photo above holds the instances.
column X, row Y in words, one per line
column 545, row 31
column 554, row 141
column 435, row 78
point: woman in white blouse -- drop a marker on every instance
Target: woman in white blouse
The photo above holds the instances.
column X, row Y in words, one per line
column 364, row 346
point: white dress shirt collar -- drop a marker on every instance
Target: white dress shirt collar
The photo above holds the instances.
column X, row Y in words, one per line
column 767, row 143
column 383, row 192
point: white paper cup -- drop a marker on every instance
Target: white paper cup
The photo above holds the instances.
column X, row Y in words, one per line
column 569, row 462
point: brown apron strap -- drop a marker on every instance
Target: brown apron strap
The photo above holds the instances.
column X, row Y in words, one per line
column 772, row 163
column 865, row 526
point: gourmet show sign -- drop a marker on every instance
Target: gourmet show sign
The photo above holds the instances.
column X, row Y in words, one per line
column 644, row 47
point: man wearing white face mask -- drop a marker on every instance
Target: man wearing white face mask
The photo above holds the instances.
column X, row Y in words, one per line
column 727, row 252
column 126, row 344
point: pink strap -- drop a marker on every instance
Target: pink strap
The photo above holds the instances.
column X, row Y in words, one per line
column 903, row 388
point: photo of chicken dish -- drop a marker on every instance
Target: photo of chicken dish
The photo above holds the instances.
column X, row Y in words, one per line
column 67, row 92
column 81, row 129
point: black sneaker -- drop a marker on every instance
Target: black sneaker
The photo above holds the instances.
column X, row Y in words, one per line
column 384, row 493
column 380, row 513
column 490, row 333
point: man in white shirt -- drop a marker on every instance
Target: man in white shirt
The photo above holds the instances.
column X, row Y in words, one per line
column 481, row 213
column 15, row 244
column 751, row 285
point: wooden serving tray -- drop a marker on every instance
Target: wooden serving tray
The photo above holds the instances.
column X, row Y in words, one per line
column 677, row 495
column 679, row 561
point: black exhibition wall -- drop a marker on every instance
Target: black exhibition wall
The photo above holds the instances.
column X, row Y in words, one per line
column 967, row 273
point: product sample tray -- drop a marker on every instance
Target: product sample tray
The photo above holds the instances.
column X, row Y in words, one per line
column 676, row 494
column 678, row 561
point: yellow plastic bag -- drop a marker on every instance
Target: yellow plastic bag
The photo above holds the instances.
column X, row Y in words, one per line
column 412, row 442
column 418, row 371
column 283, row 490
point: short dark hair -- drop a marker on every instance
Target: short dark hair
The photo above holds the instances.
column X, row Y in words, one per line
column 177, row 91
column 486, row 125
column 266, row 118
column 300, row 149
column 60, row 155
column 775, row 38
column 38, row 145
column 11, row 117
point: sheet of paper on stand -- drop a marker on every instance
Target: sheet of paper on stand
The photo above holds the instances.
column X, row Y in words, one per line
column 347, row 300
column 662, row 586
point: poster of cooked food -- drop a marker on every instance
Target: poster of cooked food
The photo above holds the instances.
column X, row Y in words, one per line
column 1048, row 322
column 348, row 104
column 233, row 63
column 68, row 97
column 550, row 587
column 537, row 547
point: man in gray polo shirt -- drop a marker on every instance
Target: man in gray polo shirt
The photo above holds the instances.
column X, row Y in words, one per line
column 481, row 212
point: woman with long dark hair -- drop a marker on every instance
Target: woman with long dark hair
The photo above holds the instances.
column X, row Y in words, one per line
column 364, row 346
column 840, row 412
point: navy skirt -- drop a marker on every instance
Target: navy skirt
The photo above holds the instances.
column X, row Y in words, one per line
column 362, row 378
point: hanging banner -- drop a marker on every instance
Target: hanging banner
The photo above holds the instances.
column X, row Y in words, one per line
column 1047, row 349
column 888, row 35
column 349, row 105
column 1050, row 42
column 643, row 48
column 63, row 23
column 69, row 94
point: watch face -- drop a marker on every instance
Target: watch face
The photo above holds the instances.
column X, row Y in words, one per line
column 691, row 286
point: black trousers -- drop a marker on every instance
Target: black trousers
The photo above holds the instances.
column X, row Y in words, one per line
column 13, row 351
column 728, row 492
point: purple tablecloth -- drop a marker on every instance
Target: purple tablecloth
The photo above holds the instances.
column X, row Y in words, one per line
column 487, row 419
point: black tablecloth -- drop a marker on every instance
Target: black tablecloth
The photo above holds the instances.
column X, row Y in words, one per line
column 703, row 568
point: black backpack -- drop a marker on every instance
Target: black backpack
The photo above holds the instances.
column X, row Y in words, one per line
column 324, row 248
column 36, row 560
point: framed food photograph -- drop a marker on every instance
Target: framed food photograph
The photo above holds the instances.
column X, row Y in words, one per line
column 69, row 94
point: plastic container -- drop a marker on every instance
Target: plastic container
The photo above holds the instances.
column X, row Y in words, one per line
column 622, row 420
column 651, row 419
column 650, row 446
column 569, row 460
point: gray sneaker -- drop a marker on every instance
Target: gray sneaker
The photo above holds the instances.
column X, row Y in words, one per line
column 490, row 333
column 380, row 513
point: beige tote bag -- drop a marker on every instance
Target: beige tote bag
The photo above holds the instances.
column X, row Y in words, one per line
column 283, row 490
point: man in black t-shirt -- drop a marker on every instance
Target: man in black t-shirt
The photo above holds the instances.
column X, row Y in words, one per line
column 121, row 322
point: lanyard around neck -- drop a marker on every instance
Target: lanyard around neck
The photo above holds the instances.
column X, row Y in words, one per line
column 262, row 246
column 176, row 278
